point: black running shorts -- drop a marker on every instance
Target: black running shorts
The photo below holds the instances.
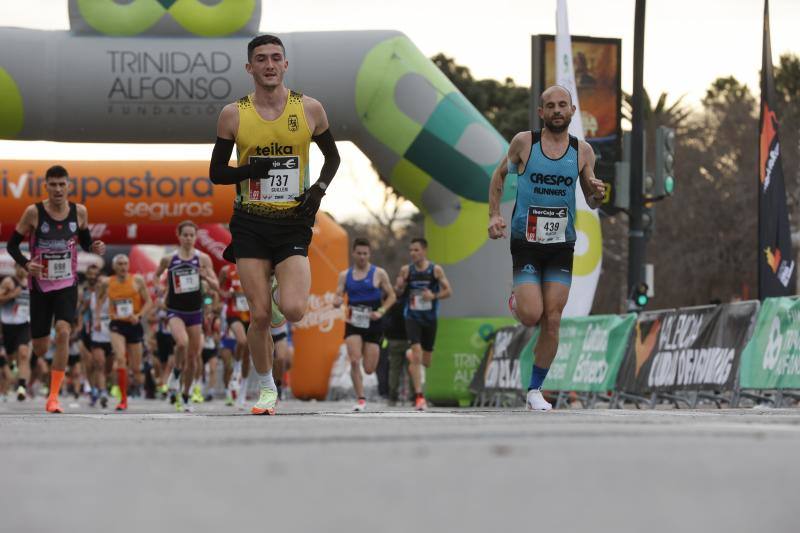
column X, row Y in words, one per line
column 260, row 239
column 61, row 304
column 420, row 333
column 372, row 334
column 15, row 335
column 133, row 333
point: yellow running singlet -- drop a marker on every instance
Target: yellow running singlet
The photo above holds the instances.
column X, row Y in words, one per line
column 285, row 141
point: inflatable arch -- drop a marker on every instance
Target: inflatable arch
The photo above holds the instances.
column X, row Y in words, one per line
column 159, row 71
column 380, row 92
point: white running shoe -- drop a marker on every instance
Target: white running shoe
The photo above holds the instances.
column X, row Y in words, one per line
column 360, row 406
column 536, row 401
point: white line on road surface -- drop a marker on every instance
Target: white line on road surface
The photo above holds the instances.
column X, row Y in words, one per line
column 404, row 415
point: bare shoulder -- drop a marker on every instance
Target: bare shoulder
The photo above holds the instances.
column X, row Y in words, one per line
column 315, row 114
column 311, row 104
column 228, row 121
column 520, row 143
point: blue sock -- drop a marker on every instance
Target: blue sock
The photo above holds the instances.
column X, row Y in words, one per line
column 537, row 377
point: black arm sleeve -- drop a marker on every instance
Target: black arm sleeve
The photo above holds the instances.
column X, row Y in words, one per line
column 328, row 148
column 219, row 171
column 13, row 248
column 85, row 239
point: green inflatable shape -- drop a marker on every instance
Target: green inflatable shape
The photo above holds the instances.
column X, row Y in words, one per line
column 12, row 115
column 218, row 20
column 110, row 18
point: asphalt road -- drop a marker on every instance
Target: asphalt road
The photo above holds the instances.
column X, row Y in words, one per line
column 318, row 467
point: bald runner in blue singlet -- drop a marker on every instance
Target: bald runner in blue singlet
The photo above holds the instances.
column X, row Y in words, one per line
column 549, row 164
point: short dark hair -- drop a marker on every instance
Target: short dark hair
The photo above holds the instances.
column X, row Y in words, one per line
column 423, row 242
column 261, row 40
column 185, row 223
column 361, row 241
column 56, row 171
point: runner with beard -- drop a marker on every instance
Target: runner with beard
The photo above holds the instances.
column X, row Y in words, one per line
column 276, row 205
column 549, row 165
column 56, row 226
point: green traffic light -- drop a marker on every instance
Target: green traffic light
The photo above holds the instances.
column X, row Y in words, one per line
column 669, row 184
column 641, row 300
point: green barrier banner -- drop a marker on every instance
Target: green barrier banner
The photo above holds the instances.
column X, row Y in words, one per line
column 771, row 360
column 460, row 347
column 590, row 352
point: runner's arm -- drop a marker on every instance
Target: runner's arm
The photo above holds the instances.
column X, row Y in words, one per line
column 321, row 134
column 85, row 235
column 401, row 280
column 445, row 290
column 219, row 171
column 593, row 188
column 338, row 299
column 509, row 164
column 7, row 291
column 207, row 273
column 388, row 291
column 145, row 295
column 102, row 293
column 26, row 222
column 162, row 266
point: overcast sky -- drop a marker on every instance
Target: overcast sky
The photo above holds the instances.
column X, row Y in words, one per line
column 688, row 44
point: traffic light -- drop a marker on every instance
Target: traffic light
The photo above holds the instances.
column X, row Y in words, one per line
column 639, row 297
column 664, row 178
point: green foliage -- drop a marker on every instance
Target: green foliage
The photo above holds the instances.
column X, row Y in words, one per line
column 504, row 104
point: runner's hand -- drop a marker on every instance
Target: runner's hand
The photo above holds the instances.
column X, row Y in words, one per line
column 309, row 201
column 428, row 295
column 497, row 227
column 99, row 247
column 338, row 301
column 598, row 188
column 34, row 269
column 97, row 326
column 375, row 315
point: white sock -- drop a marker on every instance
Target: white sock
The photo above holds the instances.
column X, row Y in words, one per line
column 266, row 380
column 237, row 368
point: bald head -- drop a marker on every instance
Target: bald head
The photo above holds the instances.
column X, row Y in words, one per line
column 555, row 93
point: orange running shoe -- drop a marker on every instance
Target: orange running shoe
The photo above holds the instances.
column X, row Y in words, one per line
column 122, row 406
column 420, row 404
column 53, row 406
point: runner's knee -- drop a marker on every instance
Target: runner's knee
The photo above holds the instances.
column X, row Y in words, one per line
column 293, row 311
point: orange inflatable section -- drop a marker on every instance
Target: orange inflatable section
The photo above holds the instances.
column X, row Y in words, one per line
column 167, row 192
column 318, row 336
column 123, row 192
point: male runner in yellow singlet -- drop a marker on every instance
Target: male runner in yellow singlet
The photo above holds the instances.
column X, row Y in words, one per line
column 275, row 205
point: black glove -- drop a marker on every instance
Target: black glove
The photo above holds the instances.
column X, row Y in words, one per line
column 309, row 201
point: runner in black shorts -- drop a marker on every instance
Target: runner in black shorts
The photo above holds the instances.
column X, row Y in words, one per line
column 276, row 205
column 424, row 284
column 55, row 226
column 369, row 294
column 15, row 316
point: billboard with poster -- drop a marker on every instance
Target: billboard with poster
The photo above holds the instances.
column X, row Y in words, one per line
column 597, row 63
